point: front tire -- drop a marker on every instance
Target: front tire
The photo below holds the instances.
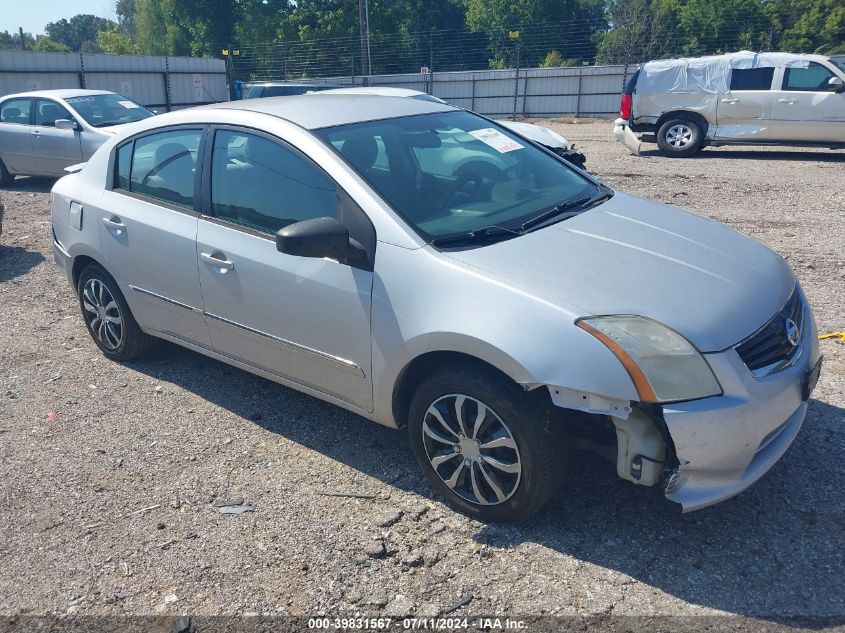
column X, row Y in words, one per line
column 680, row 138
column 108, row 317
column 484, row 445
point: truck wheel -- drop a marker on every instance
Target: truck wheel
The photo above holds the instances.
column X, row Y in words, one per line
column 483, row 446
column 680, row 138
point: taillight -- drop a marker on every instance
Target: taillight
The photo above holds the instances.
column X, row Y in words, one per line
column 625, row 107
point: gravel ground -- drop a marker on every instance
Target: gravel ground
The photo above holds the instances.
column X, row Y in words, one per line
column 110, row 474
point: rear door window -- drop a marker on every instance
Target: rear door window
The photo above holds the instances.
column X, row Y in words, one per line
column 164, row 166
column 752, row 78
column 15, row 111
column 814, row 78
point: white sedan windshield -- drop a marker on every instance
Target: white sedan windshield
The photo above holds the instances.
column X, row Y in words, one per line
column 454, row 172
column 108, row 109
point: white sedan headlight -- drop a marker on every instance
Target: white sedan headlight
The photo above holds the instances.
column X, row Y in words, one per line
column 664, row 366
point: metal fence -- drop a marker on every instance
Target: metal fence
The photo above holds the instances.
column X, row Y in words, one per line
column 164, row 83
column 580, row 91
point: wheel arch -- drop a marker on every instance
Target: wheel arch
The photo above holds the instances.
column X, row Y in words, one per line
column 426, row 364
column 79, row 264
column 688, row 115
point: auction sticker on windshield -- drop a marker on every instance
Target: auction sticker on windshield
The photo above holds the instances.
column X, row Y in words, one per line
column 496, row 140
column 128, row 105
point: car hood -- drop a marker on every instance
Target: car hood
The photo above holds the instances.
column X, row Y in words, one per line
column 631, row 256
column 536, row 133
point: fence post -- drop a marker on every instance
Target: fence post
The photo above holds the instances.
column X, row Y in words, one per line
column 81, row 69
column 516, row 81
column 525, row 96
column 167, row 84
column 578, row 98
column 624, row 77
column 472, row 102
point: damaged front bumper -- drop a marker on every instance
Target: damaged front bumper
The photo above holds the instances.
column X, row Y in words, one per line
column 708, row 450
column 726, row 443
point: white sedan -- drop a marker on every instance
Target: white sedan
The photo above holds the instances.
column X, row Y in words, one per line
column 45, row 131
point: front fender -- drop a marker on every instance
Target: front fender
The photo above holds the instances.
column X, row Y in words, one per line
column 424, row 302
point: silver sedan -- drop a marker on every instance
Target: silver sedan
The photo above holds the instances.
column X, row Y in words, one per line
column 43, row 132
column 424, row 267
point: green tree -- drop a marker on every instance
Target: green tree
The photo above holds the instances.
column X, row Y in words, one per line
column 721, row 26
column 13, row 40
column 116, row 42
column 125, row 12
column 43, row 43
column 641, row 30
column 210, row 24
column 808, row 25
column 564, row 25
column 150, row 27
column 553, row 60
column 157, row 29
column 79, row 32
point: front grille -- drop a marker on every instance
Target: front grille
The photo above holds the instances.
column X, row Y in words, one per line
column 769, row 349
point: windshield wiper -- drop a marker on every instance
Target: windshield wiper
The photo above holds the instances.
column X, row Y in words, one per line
column 563, row 209
column 490, row 233
column 108, row 123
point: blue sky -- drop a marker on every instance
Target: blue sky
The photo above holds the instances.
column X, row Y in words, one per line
column 32, row 15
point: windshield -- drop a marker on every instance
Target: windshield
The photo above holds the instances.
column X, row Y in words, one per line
column 108, row 109
column 454, row 172
column 839, row 65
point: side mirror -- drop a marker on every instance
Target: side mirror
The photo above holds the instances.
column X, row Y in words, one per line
column 66, row 124
column 320, row 237
column 836, row 84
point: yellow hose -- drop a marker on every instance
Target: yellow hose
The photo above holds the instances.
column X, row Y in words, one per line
column 833, row 335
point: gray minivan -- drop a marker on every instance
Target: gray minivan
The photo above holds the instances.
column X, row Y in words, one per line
column 744, row 98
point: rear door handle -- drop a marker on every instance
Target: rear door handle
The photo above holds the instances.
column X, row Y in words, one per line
column 114, row 224
column 219, row 263
column 730, row 100
column 789, row 101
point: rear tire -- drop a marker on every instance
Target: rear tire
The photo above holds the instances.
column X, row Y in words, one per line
column 680, row 138
column 495, row 461
column 108, row 317
column 6, row 178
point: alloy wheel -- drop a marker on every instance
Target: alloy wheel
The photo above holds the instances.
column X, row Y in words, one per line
column 679, row 136
column 102, row 314
column 471, row 449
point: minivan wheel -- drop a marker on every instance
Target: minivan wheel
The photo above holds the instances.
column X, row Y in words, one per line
column 483, row 446
column 6, row 178
column 107, row 316
column 679, row 138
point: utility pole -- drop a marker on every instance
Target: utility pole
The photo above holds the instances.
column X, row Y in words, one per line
column 364, row 23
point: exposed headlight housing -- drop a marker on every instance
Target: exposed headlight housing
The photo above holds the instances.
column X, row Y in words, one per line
column 664, row 366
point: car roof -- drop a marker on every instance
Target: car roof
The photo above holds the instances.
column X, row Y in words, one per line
column 383, row 91
column 61, row 93
column 319, row 109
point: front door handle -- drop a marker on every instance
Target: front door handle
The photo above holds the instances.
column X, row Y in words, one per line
column 217, row 261
column 789, row 101
column 114, row 224
column 730, row 100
